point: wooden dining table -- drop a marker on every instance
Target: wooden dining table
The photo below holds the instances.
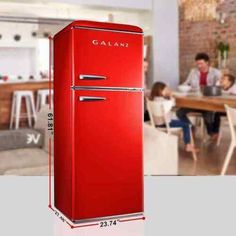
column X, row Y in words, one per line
column 199, row 102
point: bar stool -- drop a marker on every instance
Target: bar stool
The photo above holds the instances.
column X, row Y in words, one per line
column 42, row 96
column 18, row 95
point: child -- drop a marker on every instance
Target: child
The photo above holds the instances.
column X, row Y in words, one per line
column 160, row 93
column 227, row 83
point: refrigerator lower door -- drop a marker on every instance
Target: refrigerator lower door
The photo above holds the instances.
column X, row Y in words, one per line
column 108, row 165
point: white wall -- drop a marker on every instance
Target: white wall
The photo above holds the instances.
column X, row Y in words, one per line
column 8, row 30
column 17, row 61
column 166, row 41
column 42, row 55
column 133, row 4
column 163, row 26
column 18, row 57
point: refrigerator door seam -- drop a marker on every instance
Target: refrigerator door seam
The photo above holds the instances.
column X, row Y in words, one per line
column 107, row 88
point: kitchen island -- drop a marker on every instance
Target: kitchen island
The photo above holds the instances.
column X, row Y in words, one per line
column 6, row 93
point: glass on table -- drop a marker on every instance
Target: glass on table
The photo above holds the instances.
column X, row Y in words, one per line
column 195, row 86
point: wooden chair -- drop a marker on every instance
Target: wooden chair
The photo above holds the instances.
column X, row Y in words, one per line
column 231, row 114
column 161, row 109
column 197, row 120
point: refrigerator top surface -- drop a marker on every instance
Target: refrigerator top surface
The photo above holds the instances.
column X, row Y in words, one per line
column 103, row 25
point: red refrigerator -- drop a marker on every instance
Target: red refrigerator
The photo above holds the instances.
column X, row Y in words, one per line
column 98, row 116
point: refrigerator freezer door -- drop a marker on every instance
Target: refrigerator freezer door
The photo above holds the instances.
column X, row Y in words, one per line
column 107, row 58
column 108, row 174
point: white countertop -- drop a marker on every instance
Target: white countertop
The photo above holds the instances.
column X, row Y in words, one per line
column 23, row 81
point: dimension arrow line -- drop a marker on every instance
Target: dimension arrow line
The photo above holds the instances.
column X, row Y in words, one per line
column 50, row 153
column 50, row 71
column 50, row 207
column 63, row 216
column 70, row 224
column 50, row 107
column 143, row 218
column 74, row 226
column 81, row 226
column 50, row 172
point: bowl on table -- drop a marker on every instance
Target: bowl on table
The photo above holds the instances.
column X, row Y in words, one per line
column 212, row 91
column 184, row 88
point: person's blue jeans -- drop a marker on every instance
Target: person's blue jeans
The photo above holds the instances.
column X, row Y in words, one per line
column 180, row 124
column 208, row 118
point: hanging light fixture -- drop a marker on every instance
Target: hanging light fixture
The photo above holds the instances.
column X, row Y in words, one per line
column 199, row 10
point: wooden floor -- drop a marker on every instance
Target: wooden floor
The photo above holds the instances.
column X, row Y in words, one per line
column 210, row 158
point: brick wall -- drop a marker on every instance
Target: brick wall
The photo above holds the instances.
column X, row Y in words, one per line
column 204, row 37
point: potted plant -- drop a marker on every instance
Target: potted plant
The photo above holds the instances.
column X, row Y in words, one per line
column 223, row 53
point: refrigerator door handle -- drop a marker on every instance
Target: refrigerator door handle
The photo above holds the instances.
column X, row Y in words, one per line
column 92, row 77
column 91, row 99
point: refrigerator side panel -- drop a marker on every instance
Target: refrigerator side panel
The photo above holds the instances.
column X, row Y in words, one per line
column 108, row 151
column 62, row 123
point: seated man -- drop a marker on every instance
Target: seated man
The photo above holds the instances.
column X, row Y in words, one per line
column 202, row 75
column 228, row 85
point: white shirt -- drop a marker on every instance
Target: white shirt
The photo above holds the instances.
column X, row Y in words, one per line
column 161, row 120
column 213, row 76
column 231, row 90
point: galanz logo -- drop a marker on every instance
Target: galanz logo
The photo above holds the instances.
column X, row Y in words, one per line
column 109, row 43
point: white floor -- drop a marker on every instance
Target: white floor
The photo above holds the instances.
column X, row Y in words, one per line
column 185, row 206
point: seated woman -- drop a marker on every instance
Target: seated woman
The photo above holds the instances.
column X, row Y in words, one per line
column 160, row 93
